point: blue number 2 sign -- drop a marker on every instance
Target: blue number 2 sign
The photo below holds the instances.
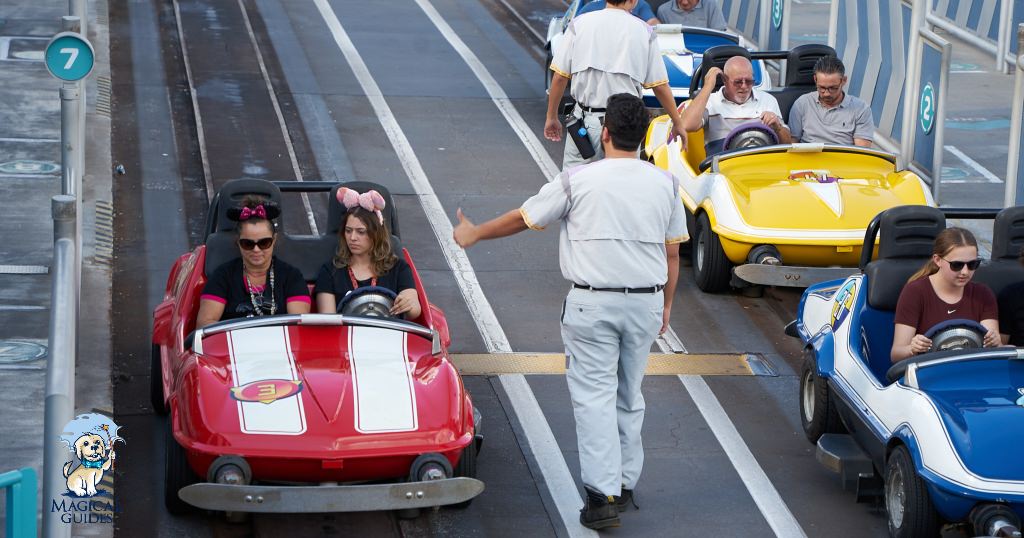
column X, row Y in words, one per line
column 69, row 56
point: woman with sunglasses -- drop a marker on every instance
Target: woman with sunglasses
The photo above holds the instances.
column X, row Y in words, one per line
column 364, row 258
column 256, row 283
column 942, row 290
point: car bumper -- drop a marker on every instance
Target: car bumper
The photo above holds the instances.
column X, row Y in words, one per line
column 307, row 499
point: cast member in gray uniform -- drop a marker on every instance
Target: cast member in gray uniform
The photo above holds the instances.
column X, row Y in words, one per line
column 830, row 115
column 603, row 53
column 620, row 221
column 700, row 13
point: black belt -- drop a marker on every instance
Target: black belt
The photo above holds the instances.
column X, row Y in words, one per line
column 592, row 109
column 652, row 289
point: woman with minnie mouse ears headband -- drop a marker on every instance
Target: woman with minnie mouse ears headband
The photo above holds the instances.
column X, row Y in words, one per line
column 256, row 283
column 364, row 258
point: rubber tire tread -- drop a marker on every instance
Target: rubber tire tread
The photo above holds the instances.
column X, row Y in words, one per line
column 919, row 517
column 716, row 271
column 825, row 418
column 156, row 388
column 177, row 474
column 467, row 468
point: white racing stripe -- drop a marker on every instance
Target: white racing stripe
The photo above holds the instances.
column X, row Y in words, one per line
column 382, row 389
column 761, row 489
column 264, row 353
column 498, row 95
column 540, row 438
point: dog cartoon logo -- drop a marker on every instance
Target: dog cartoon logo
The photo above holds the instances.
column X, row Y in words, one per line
column 90, row 439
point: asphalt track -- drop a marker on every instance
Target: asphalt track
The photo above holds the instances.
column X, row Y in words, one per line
column 725, row 455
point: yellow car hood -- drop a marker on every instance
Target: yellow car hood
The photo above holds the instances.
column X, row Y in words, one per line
column 817, row 191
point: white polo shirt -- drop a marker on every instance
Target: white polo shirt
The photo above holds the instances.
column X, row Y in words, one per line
column 723, row 115
column 617, row 216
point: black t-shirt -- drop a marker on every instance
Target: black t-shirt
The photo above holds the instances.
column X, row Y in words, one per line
column 337, row 281
column 1011, row 313
column 227, row 286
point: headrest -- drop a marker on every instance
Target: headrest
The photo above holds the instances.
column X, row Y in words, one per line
column 336, row 211
column 715, row 57
column 231, row 195
column 1008, row 233
column 800, row 63
column 909, row 231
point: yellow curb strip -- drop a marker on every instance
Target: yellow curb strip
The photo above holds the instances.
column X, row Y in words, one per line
column 554, row 364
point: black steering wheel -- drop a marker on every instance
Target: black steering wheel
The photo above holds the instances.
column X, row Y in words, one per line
column 368, row 301
column 751, row 134
column 948, row 336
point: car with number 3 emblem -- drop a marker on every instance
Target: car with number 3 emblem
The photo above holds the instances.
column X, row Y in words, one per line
column 311, row 412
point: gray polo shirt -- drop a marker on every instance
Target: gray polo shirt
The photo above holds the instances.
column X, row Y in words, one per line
column 706, row 14
column 617, row 216
column 810, row 121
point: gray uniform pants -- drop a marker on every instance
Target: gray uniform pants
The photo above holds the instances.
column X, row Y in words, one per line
column 607, row 339
column 592, row 121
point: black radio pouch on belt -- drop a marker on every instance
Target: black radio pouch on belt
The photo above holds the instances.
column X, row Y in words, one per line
column 578, row 133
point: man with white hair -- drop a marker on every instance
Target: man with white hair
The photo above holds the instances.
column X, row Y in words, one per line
column 738, row 102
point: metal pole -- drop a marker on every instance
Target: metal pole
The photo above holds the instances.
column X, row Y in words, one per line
column 910, row 85
column 80, row 9
column 60, row 366
column 1012, row 194
column 1003, row 42
column 73, row 131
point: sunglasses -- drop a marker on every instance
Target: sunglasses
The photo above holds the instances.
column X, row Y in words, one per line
column 249, row 244
column 742, row 82
column 958, row 266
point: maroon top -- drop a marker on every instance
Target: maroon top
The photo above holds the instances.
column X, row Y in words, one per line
column 921, row 308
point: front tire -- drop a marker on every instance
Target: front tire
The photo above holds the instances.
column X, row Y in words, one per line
column 156, row 382
column 908, row 505
column 467, row 468
column 177, row 474
column 818, row 414
column 711, row 268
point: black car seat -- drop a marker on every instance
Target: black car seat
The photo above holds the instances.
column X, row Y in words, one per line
column 221, row 237
column 799, row 77
column 906, row 239
column 716, row 57
column 1007, row 240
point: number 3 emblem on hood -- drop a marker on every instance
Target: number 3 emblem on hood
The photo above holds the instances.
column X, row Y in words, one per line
column 266, row 390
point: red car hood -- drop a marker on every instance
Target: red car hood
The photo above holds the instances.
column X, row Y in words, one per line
column 320, row 392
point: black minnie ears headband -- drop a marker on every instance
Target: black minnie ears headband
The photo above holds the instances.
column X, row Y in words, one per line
column 263, row 210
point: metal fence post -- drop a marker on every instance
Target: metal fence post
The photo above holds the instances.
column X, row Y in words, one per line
column 60, row 366
column 1012, row 194
column 917, row 21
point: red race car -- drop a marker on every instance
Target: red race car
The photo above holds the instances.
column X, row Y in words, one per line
column 312, row 412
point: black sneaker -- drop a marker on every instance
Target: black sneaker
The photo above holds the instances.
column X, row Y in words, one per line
column 599, row 511
column 624, row 501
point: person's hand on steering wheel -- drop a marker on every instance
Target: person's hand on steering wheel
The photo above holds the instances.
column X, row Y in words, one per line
column 771, row 120
column 404, row 302
column 992, row 339
column 920, row 344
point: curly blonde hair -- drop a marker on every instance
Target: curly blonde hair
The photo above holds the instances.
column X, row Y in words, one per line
column 382, row 259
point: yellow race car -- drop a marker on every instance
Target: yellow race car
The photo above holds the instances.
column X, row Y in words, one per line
column 784, row 215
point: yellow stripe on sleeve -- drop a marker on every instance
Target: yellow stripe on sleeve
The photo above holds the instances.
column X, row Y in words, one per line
column 529, row 223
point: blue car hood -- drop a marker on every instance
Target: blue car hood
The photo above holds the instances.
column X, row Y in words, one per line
column 987, row 430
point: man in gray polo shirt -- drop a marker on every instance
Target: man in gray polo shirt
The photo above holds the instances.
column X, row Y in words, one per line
column 830, row 115
column 700, row 13
column 621, row 219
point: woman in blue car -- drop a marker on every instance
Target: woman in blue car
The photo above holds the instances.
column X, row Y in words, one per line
column 942, row 290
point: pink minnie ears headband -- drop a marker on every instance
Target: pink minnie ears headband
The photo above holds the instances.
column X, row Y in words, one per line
column 370, row 200
column 262, row 211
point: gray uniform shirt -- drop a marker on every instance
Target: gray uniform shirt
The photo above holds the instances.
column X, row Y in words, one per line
column 810, row 121
column 607, row 52
column 617, row 216
column 706, row 14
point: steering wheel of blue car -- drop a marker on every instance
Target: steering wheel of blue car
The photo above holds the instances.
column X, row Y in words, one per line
column 948, row 339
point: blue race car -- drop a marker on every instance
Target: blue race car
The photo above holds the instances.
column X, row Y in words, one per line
column 938, row 435
column 682, row 49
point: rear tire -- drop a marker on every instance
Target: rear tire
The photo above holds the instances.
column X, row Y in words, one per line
column 909, row 509
column 818, row 414
column 156, row 382
column 711, row 268
column 177, row 474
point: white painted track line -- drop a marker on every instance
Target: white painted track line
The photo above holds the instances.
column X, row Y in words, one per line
column 280, row 118
column 542, row 441
column 985, row 173
column 761, row 489
column 200, row 136
column 498, row 95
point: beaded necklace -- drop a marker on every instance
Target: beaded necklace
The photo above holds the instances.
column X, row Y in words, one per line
column 258, row 306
